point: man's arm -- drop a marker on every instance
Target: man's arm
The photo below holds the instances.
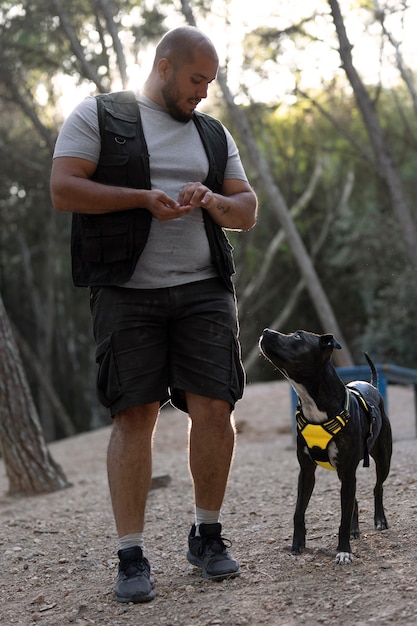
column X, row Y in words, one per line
column 234, row 209
column 73, row 190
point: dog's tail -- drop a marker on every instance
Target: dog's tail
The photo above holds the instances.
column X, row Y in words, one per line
column 374, row 380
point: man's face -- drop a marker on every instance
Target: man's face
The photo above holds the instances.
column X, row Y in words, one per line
column 185, row 87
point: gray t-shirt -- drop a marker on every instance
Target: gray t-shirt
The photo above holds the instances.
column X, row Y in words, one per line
column 177, row 251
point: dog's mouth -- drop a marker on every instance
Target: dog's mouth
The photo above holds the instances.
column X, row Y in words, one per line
column 272, row 358
column 280, row 369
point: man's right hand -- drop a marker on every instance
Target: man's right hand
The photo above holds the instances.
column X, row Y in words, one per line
column 163, row 208
column 73, row 190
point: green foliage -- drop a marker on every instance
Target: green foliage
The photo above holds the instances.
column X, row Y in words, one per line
column 363, row 253
column 36, row 46
column 390, row 334
column 361, row 263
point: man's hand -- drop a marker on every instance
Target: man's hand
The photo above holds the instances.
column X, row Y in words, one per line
column 163, row 208
column 194, row 195
column 73, row 190
column 235, row 208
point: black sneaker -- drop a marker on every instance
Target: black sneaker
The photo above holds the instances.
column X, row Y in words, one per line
column 134, row 582
column 209, row 553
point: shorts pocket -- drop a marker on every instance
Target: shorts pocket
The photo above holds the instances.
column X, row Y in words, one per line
column 238, row 372
column 108, row 384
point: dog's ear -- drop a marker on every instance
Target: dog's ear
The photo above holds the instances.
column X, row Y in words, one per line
column 328, row 341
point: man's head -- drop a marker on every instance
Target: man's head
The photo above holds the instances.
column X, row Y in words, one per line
column 185, row 64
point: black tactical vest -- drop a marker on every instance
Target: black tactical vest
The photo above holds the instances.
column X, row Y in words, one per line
column 106, row 247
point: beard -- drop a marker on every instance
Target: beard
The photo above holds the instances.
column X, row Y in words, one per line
column 171, row 97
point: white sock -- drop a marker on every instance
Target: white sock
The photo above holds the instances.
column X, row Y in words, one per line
column 128, row 541
column 202, row 516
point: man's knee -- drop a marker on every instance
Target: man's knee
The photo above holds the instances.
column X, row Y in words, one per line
column 214, row 411
column 203, row 402
column 137, row 417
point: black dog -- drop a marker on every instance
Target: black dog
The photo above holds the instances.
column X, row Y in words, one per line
column 337, row 426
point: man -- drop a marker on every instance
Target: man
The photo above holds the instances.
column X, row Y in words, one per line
column 151, row 188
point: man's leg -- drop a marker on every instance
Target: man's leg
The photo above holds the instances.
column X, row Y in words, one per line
column 211, row 446
column 129, row 464
column 212, row 441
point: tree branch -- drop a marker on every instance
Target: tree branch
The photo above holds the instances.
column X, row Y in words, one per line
column 257, row 281
column 405, row 73
column 382, row 154
column 118, row 48
column 87, row 68
column 280, row 320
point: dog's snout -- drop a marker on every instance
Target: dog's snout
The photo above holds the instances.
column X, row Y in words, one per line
column 265, row 334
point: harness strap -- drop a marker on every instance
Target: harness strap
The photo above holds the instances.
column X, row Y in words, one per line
column 333, row 425
column 319, row 436
column 367, row 409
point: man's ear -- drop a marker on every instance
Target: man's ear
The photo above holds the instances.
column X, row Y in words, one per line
column 164, row 68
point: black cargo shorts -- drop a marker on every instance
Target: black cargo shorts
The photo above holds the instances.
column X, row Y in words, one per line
column 154, row 344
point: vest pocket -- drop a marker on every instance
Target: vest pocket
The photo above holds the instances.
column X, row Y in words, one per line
column 108, row 240
column 113, row 167
column 224, row 254
column 228, row 256
column 120, row 123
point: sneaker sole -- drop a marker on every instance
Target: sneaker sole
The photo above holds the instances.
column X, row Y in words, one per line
column 197, row 563
column 136, row 599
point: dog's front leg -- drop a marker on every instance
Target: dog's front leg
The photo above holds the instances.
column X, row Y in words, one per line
column 354, row 527
column 347, row 500
column 306, row 481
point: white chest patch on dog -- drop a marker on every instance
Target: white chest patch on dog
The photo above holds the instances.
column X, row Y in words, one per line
column 310, row 410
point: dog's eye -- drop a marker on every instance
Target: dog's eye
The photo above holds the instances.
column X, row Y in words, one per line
column 297, row 336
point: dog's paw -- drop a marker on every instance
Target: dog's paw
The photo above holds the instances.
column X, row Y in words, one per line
column 298, row 546
column 344, row 558
column 381, row 524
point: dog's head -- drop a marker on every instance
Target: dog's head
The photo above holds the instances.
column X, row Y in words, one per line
column 299, row 356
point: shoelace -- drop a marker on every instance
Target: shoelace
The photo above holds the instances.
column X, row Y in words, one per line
column 216, row 544
column 134, row 567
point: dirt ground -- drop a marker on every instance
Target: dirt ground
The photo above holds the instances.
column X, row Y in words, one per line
column 58, row 558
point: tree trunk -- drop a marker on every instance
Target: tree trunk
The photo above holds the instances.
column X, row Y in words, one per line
column 269, row 255
column 315, row 289
column 29, row 466
column 383, row 159
column 32, row 361
column 406, row 73
column 277, row 203
column 292, row 301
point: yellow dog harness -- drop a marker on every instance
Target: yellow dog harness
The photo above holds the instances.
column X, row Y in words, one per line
column 319, row 436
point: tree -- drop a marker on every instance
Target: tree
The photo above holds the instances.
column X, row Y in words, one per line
column 277, row 201
column 405, row 72
column 29, row 466
column 86, row 41
column 98, row 45
column 382, row 154
column 365, row 252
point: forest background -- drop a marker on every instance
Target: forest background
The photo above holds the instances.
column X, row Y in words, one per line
column 321, row 98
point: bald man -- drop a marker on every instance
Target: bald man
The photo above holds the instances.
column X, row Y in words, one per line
column 152, row 185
